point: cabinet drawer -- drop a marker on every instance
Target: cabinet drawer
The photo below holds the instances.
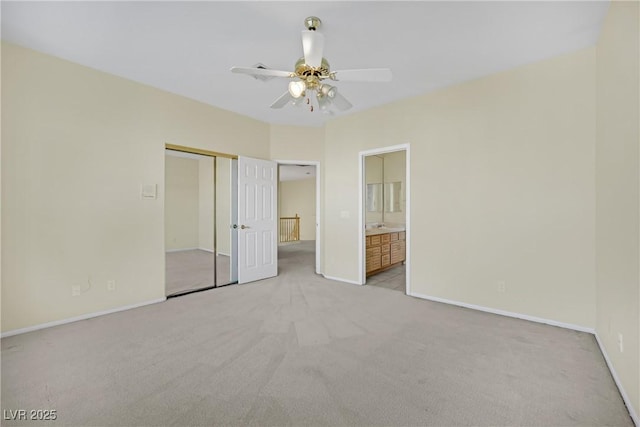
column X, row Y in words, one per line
column 374, row 252
column 385, row 249
column 393, row 236
column 375, row 240
column 373, row 263
column 367, row 241
column 398, row 250
column 386, row 260
column 385, row 238
column 371, row 267
column 402, row 235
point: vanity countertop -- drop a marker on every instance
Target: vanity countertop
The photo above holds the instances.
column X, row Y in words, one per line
column 382, row 230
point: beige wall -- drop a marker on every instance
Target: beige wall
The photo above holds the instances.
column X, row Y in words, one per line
column 296, row 143
column 502, row 189
column 299, row 197
column 77, row 144
column 181, row 203
column 618, row 193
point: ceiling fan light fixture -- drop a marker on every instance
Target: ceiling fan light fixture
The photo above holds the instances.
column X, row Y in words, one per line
column 306, row 83
column 297, row 88
column 323, row 102
column 328, row 90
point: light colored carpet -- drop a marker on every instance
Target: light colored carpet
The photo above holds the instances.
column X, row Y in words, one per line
column 193, row 269
column 302, row 350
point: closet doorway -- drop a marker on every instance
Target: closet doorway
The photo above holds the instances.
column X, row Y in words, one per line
column 200, row 208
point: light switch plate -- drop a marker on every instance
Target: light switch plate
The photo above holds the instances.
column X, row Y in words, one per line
column 149, row 191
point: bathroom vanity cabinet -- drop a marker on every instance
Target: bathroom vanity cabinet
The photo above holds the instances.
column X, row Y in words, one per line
column 385, row 250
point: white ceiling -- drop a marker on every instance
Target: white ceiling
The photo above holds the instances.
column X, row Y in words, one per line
column 187, row 48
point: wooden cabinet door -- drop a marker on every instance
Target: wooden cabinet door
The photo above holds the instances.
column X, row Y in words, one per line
column 374, row 261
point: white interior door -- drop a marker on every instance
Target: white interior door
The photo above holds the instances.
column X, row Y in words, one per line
column 257, row 219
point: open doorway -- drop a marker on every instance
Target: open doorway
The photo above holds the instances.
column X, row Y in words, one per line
column 199, row 247
column 298, row 211
column 384, row 194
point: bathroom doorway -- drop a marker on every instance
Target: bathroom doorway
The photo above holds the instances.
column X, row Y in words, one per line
column 384, row 196
column 200, row 252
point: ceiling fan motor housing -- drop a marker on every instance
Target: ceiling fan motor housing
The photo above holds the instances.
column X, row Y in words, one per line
column 303, row 70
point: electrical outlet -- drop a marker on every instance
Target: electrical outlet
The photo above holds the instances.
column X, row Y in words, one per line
column 75, row 291
column 502, row 286
column 111, row 285
column 620, row 342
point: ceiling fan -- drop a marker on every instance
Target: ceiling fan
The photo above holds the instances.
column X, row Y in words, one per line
column 308, row 81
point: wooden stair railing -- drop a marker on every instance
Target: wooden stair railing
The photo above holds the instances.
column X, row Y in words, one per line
column 290, row 229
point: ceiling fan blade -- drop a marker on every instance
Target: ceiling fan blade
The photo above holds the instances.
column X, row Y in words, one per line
column 312, row 46
column 282, row 100
column 261, row 72
column 340, row 102
column 365, row 75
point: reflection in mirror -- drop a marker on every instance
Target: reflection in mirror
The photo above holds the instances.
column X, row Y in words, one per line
column 189, row 222
column 392, row 196
column 384, row 198
column 223, row 220
column 374, row 197
column 373, row 180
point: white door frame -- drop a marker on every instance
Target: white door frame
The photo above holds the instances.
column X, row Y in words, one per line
column 318, row 222
column 362, row 221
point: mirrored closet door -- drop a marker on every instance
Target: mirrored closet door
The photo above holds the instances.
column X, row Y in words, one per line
column 198, row 218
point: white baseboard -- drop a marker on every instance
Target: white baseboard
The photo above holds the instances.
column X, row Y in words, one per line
column 506, row 313
column 616, row 379
column 339, row 279
column 77, row 318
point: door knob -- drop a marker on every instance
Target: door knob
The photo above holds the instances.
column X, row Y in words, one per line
column 234, row 226
column 244, row 226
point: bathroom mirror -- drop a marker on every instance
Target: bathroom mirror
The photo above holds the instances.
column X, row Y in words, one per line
column 374, row 197
column 384, row 188
column 392, row 196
